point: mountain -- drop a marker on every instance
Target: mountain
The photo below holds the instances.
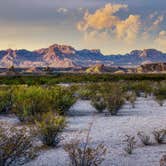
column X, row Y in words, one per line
column 151, row 68
column 98, row 68
column 101, row 68
column 63, row 56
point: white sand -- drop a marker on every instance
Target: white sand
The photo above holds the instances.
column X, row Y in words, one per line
column 146, row 116
column 9, row 119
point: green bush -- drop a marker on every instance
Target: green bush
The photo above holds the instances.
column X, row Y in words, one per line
column 31, row 102
column 5, row 100
column 131, row 97
column 62, row 99
column 84, row 92
column 98, row 102
column 141, row 86
column 160, row 93
column 114, row 100
column 114, row 103
column 49, row 128
column 108, row 96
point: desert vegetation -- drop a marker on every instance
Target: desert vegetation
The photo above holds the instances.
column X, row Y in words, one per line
column 47, row 106
column 81, row 153
column 160, row 136
column 78, row 78
column 130, row 144
column 30, row 102
column 5, row 99
column 145, row 139
column 49, row 127
column 16, row 145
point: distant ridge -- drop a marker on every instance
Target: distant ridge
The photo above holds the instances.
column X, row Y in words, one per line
column 63, row 56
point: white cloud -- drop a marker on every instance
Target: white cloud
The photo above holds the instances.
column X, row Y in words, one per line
column 104, row 19
column 161, row 39
column 152, row 15
column 159, row 20
column 62, row 10
column 128, row 29
column 105, row 28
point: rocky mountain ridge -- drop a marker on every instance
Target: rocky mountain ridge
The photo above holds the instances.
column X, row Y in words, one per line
column 64, row 56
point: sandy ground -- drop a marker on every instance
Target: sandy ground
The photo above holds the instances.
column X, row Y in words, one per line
column 9, row 119
column 146, row 116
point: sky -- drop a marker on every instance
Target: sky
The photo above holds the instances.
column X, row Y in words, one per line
column 113, row 26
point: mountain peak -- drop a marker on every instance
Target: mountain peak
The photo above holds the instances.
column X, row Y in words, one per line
column 149, row 52
column 145, row 52
column 97, row 51
column 63, row 48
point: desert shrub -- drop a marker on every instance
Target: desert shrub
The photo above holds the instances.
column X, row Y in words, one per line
column 15, row 146
column 98, row 102
column 62, row 98
column 145, row 139
column 160, row 136
column 5, row 100
column 130, row 143
column 114, row 100
column 141, row 86
column 84, row 92
column 49, row 128
column 31, row 102
column 163, row 160
column 131, row 97
column 160, row 100
column 160, row 93
column 82, row 154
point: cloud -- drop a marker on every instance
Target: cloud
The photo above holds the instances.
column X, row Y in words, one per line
column 105, row 19
column 159, row 20
column 62, row 10
column 128, row 29
column 161, row 39
column 102, row 18
column 109, row 28
column 154, row 24
column 152, row 15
